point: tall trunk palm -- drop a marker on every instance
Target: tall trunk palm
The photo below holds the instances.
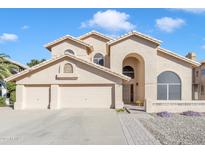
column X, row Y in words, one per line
column 6, row 68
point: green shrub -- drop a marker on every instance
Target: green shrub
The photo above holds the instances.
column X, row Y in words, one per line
column 120, row 110
column 11, row 86
column 12, row 98
column 2, row 101
column 11, row 89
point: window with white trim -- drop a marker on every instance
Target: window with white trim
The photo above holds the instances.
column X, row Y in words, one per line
column 99, row 59
column 202, row 89
column 129, row 71
column 203, row 72
column 69, row 51
column 168, row 86
column 197, row 73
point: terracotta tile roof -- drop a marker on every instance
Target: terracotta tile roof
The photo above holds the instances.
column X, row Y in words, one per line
column 48, row 45
column 149, row 38
column 95, row 33
column 173, row 54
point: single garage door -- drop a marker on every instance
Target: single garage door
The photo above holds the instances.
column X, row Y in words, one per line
column 85, row 96
column 37, row 97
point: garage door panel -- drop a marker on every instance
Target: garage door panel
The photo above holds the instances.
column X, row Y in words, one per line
column 86, row 97
column 37, row 97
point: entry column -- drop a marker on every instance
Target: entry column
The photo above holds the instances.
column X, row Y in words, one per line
column 118, row 96
column 20, row 97
column 54, row 97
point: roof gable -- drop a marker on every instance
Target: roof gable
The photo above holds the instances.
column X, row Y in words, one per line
column 67, row 37
column 84, row 36
column 43, row 64
column 134, row 33
column 179, row 57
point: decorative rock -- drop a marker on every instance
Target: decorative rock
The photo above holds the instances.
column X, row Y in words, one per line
column 164, row 114
column 191, row 113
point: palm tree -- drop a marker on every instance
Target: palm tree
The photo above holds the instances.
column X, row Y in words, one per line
column 34, row 62
column 6, row 67
column 3, row 56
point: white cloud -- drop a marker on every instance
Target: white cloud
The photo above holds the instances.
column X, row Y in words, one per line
column 195, row 10
column 6, row 37
column 168, row 24
column 111, row 20
column 25, row 27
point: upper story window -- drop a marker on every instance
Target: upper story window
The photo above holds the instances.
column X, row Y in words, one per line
column 203, row 72
column 202, row 90
column 99, row 59
column 197, row 73
column 168, row 86
column 68, row 68
column 69, row 51
column 128, row 71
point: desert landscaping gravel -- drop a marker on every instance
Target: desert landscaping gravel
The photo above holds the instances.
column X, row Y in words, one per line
column 177, row 129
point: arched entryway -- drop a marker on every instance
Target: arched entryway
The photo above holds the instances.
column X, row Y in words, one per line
column 134, row 90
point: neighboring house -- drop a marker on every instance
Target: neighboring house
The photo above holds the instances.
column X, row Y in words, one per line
column 96, row 71
column 199, row 82
column 21, row 67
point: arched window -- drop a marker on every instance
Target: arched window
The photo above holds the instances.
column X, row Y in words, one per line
column 128, row 71
column 168, row 86
column 99, row 59
column 68, row 68
column 69, row 51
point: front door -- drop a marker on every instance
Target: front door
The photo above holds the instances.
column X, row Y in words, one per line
column 128, row 93
column 131, row 93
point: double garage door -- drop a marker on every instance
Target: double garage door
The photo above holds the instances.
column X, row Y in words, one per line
column 97, row 96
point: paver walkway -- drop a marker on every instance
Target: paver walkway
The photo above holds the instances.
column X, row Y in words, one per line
column 135, row 132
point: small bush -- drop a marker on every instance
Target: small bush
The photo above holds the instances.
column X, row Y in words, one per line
column 164, row 114
column 191, row 113
column 120, row 110
column 2, row 101
column 11, row 87
column 12, row 97
column 140, row 102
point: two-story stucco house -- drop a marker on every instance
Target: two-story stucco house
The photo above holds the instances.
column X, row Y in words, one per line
column 96, row 71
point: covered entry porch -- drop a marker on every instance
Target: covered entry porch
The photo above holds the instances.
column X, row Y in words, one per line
column 134, row 90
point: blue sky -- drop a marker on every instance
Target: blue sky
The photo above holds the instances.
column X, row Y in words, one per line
column 23, row 32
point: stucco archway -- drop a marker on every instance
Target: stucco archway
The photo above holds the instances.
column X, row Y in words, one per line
column 134, row 90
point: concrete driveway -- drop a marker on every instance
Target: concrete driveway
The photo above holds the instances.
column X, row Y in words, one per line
column 68, row 126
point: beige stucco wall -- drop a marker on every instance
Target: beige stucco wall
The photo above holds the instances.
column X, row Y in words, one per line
column 98, row 43
column 199, row 81
column 84, row 75
column 99, row 46
column 154, row 64
column 183, row 70
column 140, row 48
column 154, row 106
column 79, row 50
column 139, row 53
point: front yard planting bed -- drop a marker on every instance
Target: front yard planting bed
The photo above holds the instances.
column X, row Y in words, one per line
column 177, row 129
